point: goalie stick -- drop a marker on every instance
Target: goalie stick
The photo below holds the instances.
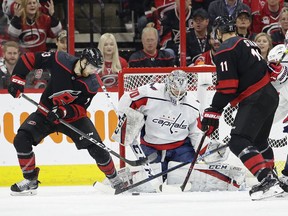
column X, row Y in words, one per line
column 201, row 157
column 100, row 144
column 193, row 162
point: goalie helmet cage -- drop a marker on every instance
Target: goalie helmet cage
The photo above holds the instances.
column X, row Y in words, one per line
column 131, row 78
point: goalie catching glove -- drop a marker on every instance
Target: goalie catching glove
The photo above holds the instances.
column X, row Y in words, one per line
column 210, row 121
column 16, row 86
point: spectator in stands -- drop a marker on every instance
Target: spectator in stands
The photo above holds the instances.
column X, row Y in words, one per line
column 278, row 34
column 201, row 4
column 61, row 41
column 8, row 7
column 150, row 56
column 152, row 9
column 264, row 41
column 207, row 58
column 197, row 39
column 3, row 22
column 226, row 8
column 113, row 63
column 268, row 17
column 255, row 5
column 11, row 53
column 243, row 23
column 169, row 26
column 32, row 27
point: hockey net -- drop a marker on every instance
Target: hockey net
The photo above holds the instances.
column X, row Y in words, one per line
column 201, row 83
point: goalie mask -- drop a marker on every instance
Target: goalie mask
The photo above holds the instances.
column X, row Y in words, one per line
column 276, row 54
column 176, row 84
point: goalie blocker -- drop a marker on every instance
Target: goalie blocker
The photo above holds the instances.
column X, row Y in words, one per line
column 133, row 122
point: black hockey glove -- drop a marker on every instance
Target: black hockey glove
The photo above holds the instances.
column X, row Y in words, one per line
column 210, row 121
column 56, row 114
column 16, row 86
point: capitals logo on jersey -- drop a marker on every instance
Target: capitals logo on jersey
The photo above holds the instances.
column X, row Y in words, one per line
column 166, row 121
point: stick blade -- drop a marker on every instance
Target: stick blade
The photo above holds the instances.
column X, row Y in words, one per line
column 148, row 159
column 152, row 157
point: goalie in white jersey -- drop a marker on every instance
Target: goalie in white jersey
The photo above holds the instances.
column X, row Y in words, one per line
column 171, row 118
column 279, row 80
column 171, row 121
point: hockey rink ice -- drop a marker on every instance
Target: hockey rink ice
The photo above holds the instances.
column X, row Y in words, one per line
column 86, row 201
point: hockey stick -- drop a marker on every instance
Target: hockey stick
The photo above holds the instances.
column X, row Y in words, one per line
column 282, row 57
column 121, row 119
column 193, row 162
column 201, row 157
column 91, row 139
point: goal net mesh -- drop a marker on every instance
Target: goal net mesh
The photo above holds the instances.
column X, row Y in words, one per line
column 132, row 78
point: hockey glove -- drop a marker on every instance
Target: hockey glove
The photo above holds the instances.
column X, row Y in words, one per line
column 56, row 114
column 210, row 121
column 277, row 72
column 16, row 86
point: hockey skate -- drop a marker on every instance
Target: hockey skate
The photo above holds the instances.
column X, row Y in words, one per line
column 27, row 187
column 109, row 186
column 268, row 187
column 284, row 182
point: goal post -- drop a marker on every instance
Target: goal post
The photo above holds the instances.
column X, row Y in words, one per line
column 201, row 83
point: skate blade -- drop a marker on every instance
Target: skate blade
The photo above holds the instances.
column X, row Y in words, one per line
column 24, row 193
column 275, row 191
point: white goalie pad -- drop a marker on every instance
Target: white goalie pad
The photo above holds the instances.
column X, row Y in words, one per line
column 134, row 123
column 209, row 177
column 218, row 156
column 139, row 174
column 105, row 185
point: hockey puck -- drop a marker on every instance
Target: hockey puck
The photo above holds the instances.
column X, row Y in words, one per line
column 135, row 193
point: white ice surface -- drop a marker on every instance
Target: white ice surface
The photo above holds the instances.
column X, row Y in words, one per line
column 86, row 201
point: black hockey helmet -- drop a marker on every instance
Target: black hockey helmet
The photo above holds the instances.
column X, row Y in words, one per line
column 93, row 56
column 224, row 24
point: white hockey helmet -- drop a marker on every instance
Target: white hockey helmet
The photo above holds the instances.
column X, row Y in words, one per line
column 176, row 85
column 276, row 54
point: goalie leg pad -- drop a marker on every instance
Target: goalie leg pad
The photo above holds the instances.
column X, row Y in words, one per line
column 209, row 177
column 149, row 187
column 218, row 156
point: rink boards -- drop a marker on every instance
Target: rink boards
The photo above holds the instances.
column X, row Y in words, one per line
column 60, row 162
